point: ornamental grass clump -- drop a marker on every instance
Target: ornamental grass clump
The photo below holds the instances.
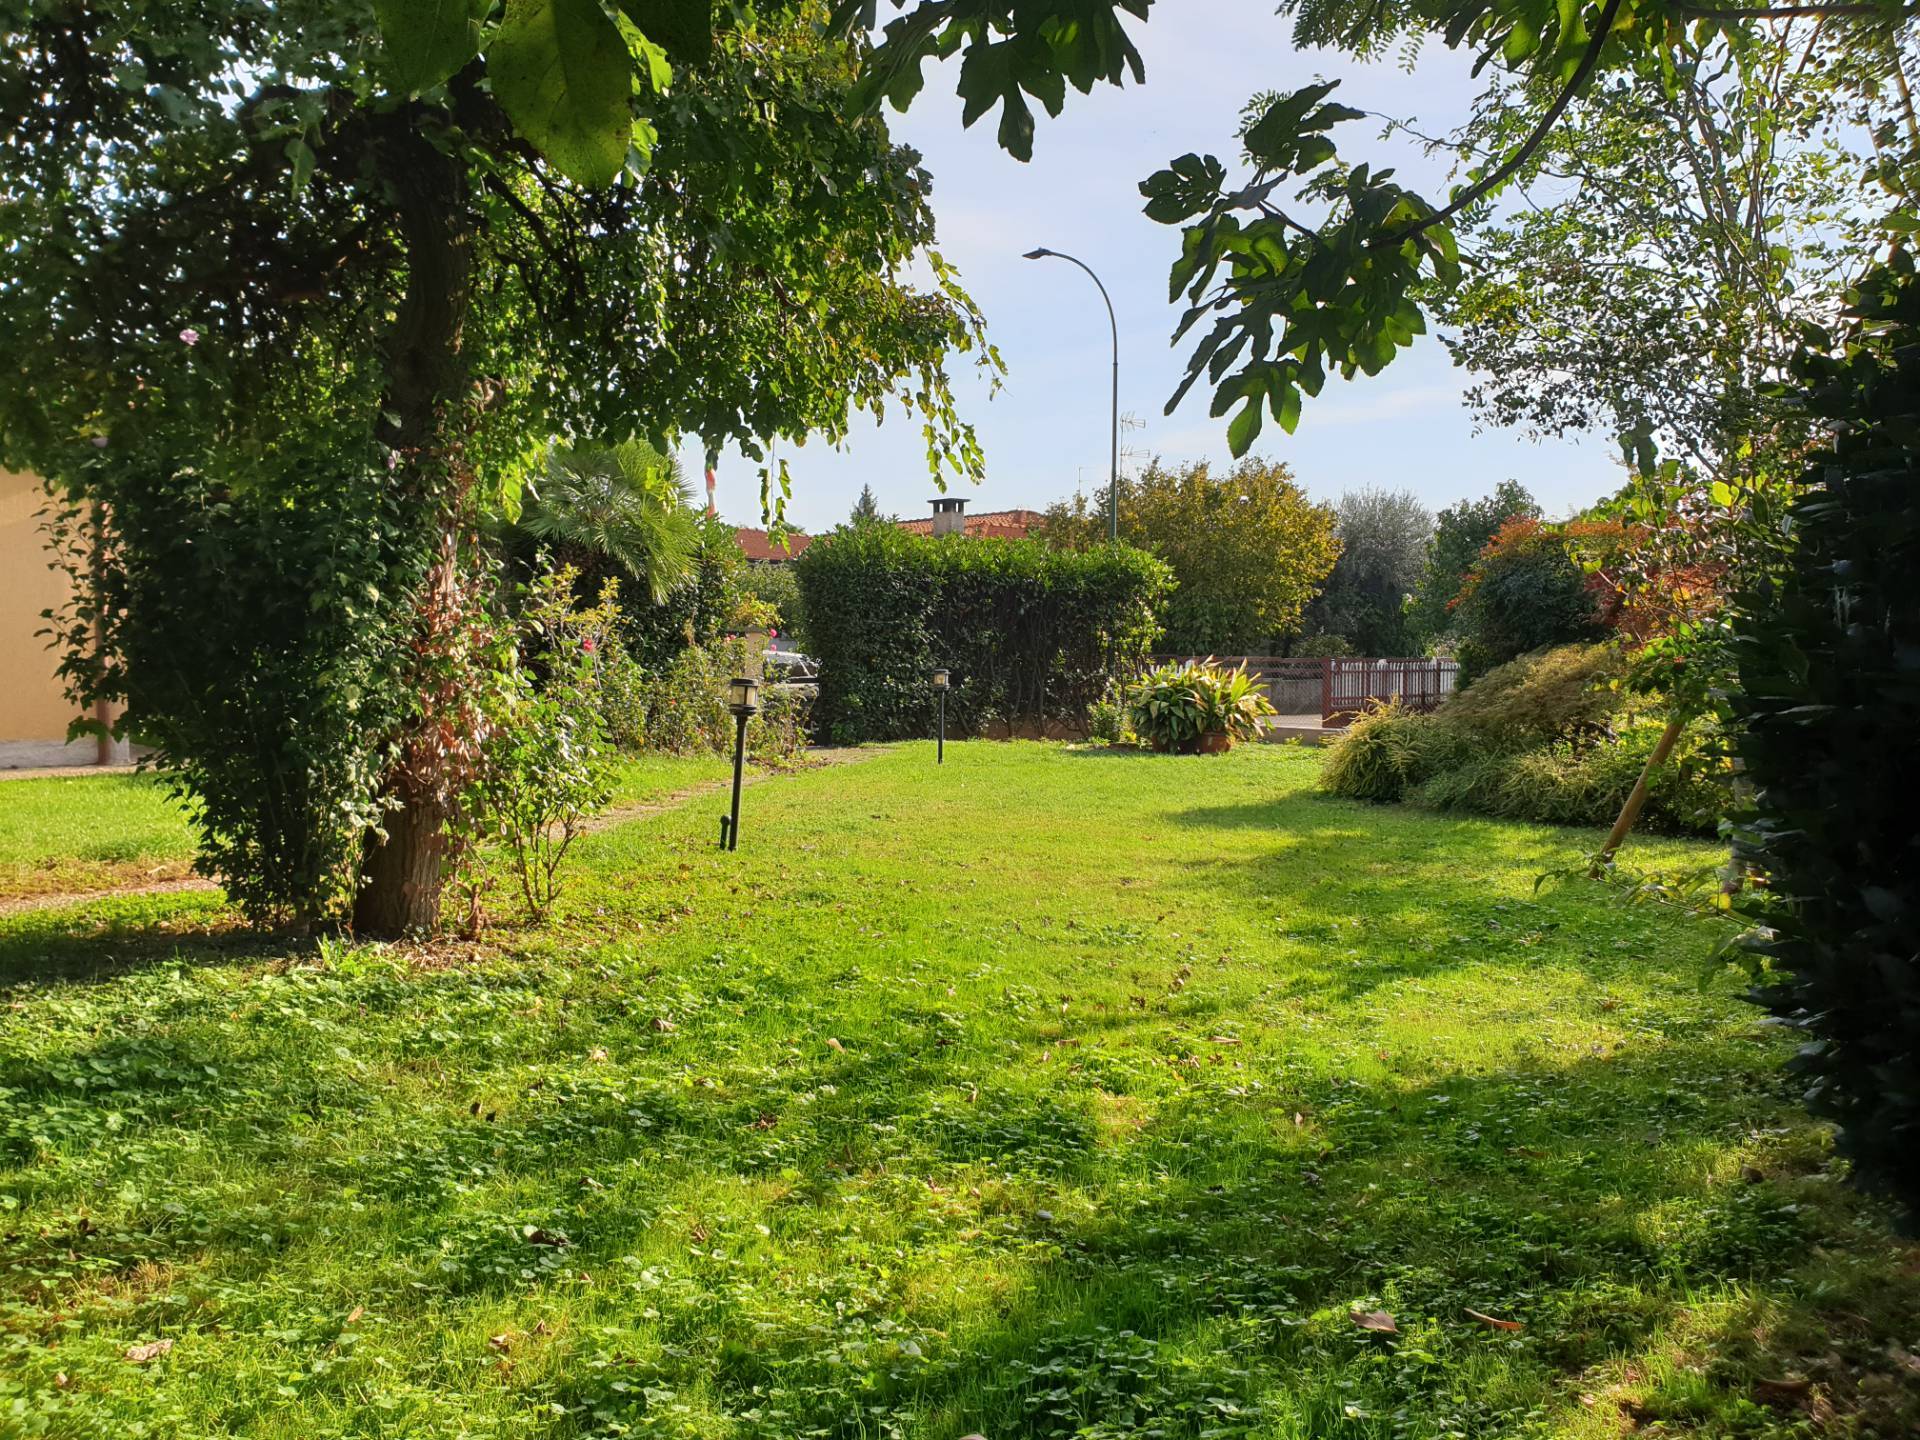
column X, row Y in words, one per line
column 1550, row 737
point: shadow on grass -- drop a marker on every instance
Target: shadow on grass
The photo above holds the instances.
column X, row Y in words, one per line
column 1215, row 1301
column 104, row 939
column 1189, row 1275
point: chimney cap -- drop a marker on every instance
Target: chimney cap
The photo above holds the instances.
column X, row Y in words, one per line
column 944, row 503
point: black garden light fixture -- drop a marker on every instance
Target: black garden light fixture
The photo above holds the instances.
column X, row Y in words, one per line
column 743, row 699
column 941, row 684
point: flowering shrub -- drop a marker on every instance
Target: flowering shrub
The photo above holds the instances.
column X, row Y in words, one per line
column 682, row 708
column 545, row 758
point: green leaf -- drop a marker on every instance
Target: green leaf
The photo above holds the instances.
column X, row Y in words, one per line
column 301, row 157
column 1522, row 41
column 1245, row 427
column 683, row 28
column 561, row 71
column 426, row 40
column 1287, row 408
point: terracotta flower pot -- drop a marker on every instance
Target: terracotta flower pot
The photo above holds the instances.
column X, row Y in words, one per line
column 1215, row 742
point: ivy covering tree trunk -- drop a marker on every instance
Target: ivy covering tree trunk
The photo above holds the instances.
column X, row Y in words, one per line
column 425, row 425
column 1829, row 701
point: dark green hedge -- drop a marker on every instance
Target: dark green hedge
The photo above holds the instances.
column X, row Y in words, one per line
column 1829, row 700
column 1025, row 630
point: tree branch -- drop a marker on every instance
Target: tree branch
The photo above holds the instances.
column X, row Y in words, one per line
column 1519, row 157
column 1781, row 12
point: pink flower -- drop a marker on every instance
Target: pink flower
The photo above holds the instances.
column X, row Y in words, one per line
column 99, row 442
column 773, row 634
column 190, row 336
column 587, row 645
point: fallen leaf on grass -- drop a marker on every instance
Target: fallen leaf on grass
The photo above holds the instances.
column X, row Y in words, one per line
column 833, row 1044
column 355, row 1313
column 534, row 1235
column 662, row 1024
column 1378, row 1321
column 502, row 1341
column 153, row 1350
column 1495, row 1323
column 1225, row 1039
column 1784, row 1391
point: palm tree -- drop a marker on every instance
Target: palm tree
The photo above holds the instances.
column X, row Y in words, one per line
column 626, row 505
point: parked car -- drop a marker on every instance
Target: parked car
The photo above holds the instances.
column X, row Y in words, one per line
column 789, row 666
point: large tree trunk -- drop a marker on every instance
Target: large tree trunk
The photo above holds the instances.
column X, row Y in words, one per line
column 427, row 417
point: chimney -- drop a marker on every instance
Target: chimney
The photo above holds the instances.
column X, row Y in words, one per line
column 949, row 515
column 713, row 464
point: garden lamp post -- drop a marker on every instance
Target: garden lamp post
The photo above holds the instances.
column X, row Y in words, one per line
column 940, row 681
column 743, row 699
column 1113, row 469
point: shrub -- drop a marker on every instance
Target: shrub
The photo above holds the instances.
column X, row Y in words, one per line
column 1525, row 592
column 258, row 636
column 1107, row 721
column 699, row 612
column 1230, row 702
column 1567, row 692
column 682, row 709
column 1028, row 633
column 1164, row 708
column 1389, row 754
column 1380, row 756
column 1829, row 694
column 1173, row 706
column 544, row 762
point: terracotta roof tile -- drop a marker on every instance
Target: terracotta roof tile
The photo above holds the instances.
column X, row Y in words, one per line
column 755, row 545
column 997, row 524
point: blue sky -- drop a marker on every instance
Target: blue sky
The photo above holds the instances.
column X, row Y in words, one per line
column 1045, row 433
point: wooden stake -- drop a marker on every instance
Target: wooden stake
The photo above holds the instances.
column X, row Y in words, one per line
column 1637, row 797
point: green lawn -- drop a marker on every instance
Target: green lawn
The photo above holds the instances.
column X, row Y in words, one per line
column 88, row 831
column 1047, row 1093
column 66, row 834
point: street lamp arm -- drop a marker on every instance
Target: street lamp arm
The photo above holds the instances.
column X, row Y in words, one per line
column 1113, row 325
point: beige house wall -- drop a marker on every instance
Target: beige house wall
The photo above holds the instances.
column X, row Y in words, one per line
column 32, row 705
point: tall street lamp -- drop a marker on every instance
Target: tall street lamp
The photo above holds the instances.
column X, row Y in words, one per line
column 1113, row 471
column 743, row 699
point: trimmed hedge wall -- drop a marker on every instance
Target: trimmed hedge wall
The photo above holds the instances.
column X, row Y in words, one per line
column 1829, row 705
column 1024, row 629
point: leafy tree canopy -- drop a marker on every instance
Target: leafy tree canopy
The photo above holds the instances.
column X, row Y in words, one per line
column 1460, row 532
column 1247, row 548
column 1383, row 550
column 235, row 224
column 1677, row 232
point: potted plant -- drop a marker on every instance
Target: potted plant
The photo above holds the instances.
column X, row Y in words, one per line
column 1163, row 706
column 1191, row 707
column 1231, row 708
